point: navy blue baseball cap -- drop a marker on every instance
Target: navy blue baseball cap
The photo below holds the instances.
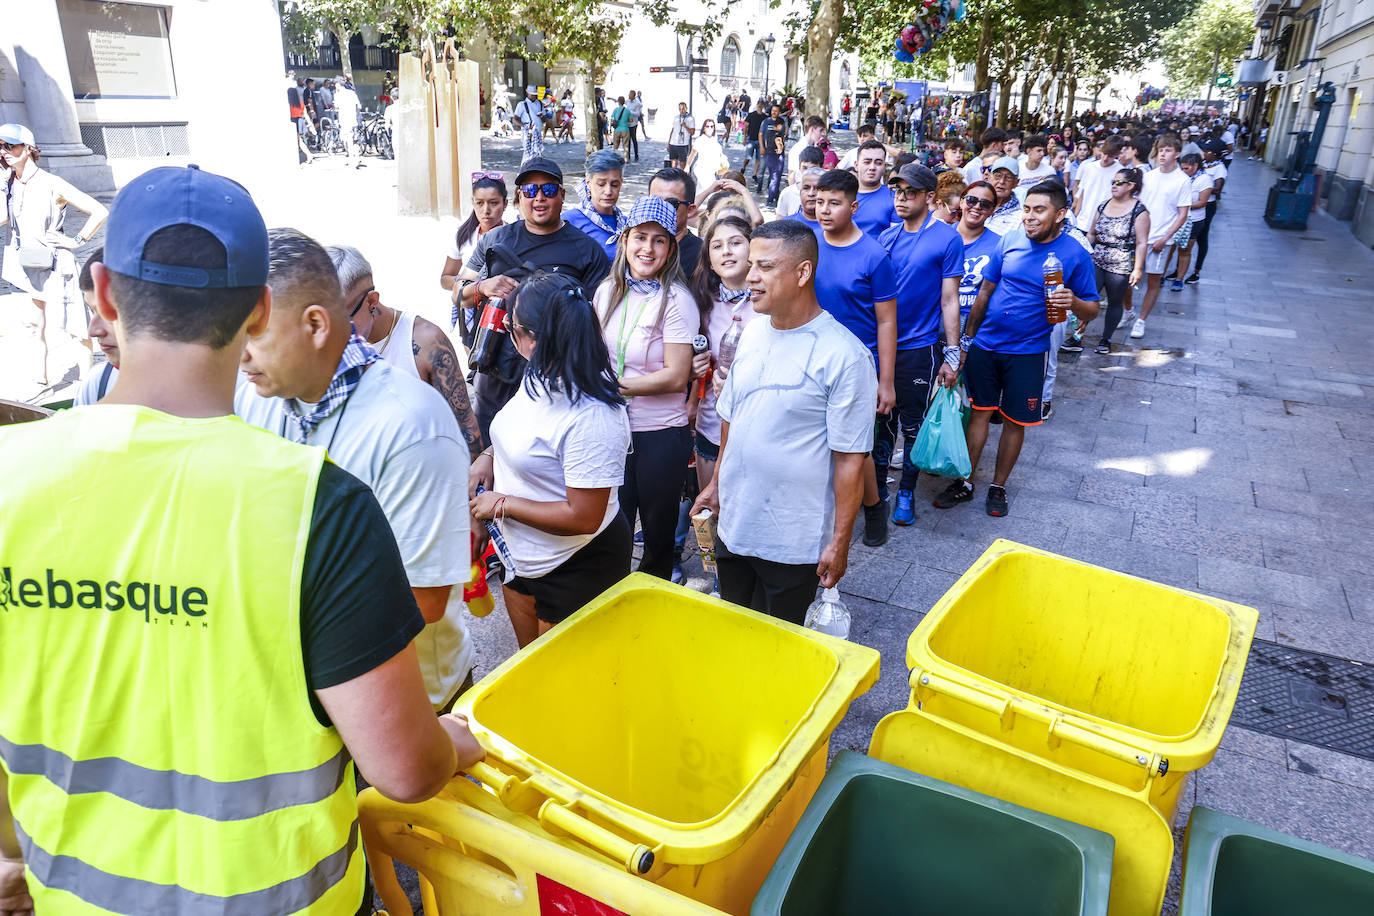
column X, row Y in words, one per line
column 189, row 196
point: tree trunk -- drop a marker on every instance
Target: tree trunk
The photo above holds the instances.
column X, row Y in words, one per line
column 1027, row 82
column 982, row 79
column 342, row 34
column 592, row 75
column 1045, row 93
column 820, row 48
column 1070, row 90
column 1003, row 99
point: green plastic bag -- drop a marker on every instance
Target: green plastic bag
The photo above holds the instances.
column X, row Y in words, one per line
column 940, row 446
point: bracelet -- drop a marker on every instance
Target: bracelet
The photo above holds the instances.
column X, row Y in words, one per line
column 965, row 342
column 487, row 452
column 952, row 357
column 499, row 510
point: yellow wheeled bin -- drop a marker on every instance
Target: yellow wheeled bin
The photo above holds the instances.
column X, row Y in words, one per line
column 661, row 732
column 1077, row 691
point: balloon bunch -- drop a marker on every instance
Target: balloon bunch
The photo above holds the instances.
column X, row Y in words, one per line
column 928, row 23
column 1149, row 95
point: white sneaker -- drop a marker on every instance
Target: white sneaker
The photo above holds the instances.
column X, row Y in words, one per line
column 1138, row 329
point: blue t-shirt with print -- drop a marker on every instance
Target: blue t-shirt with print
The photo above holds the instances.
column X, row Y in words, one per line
column 875, row 212
column 1016, row 321
column 922, row 260
column 977, row 254
column 849, row 280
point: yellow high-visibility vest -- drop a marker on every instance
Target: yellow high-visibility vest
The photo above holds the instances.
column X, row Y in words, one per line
column 155, row 722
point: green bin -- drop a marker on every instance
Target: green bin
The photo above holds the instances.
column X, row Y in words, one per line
column 1232, row 867
column 878, row 839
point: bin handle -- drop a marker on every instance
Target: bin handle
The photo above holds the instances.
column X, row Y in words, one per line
column 1059, row 727
column 523, row 795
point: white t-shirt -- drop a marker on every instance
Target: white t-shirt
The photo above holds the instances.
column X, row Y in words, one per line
column 792, row 397
column 973, row 170
column 789, row 201
column 636, row 106
column 679, row 135
column 1199, row 183
column 636, row 347
column 1094, row 186
column 1030, row 177
column 397, row 435
column 544, row 444
column 710, row 157
column 95, row 385
column 1217, row 170
column 794, row 155
column 1163, row 193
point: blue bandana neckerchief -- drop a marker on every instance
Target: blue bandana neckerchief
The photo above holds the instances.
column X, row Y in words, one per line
column 614, row 224
column 646, row 287
column 734, row 296
column 358, row 354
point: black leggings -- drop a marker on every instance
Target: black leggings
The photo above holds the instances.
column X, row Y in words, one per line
column 633, row 143
column 1200, row 232
column 654, row 474
column 1117, row 286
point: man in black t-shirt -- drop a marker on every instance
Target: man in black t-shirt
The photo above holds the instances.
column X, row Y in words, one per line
column 752, row 154
column 772, row 140
column 543, row 241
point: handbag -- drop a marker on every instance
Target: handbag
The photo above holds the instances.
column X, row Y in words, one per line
column 31, row 256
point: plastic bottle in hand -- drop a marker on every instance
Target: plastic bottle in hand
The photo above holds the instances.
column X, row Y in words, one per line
column 1054, row 278
column 829, row 615
column 729, row 343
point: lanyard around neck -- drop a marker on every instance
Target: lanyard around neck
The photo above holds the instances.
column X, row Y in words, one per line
column 623, row 339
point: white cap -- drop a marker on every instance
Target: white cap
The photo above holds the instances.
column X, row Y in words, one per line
column 17, row 133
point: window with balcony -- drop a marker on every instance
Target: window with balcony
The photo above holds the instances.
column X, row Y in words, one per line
column 729, row 58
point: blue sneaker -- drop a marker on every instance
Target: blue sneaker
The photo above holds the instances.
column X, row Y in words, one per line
column 1177, row 286
column 905, row 513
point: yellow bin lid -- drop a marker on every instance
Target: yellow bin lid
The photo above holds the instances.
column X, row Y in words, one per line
column 659, row 720
column 1088, row 662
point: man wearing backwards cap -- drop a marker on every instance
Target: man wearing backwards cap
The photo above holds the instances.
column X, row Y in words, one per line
column 199, row 686
column 928, row 257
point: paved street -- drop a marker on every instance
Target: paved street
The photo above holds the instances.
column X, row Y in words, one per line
column 1226, row 456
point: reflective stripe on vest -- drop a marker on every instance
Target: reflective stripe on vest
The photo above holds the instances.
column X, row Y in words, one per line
column 132, row 895
column 155, row 722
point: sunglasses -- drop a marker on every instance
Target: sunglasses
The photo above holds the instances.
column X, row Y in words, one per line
column 1122, row 184
column 977, row 203
column 494, row 176
column 549, row 190
column 677, row 203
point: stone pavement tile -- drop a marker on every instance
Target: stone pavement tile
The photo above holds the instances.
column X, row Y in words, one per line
column 873, row 577
column 936, row 550
column 885, row 628
column 1177, row 416
column 1359, row 594
column 921, row 587
column 1168, row 438
column 1360, row 431
column 1207, row 483
column 1132, row 391
column 1254, row 744
column 1273, row 524
column 1268, row 793
column 1343, row 482
column 1292, row 555
column 1126, row 490
column 1060, row 483
column 1354, row 378
column 1223, row 404
column 1196, row 538
column 1241, row 581
column 1074, row 514
column 1053, row 459
column 1338, row 509
column 1158, row 564
column 1323, row 763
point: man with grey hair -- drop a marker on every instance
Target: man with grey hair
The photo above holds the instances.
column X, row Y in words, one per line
column 797, row 418
column 315, row 380
column 405, row 340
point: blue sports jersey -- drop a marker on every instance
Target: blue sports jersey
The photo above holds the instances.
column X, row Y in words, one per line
column 580, row 220
column 849, row 280
column 922, row 261
column 875, row 212
column 814, row 225
column 977, row 254
column 1016, row 321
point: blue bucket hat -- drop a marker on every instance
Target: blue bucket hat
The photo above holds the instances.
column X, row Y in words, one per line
column 651, row 209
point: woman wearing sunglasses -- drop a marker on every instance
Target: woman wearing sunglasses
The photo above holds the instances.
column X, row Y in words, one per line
column 557, row 457
column 980, row 199
column 648, row 319
column 488, row 211
column 1119, row 234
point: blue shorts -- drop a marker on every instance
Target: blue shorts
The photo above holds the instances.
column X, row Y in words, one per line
column 751, row 150
column 706, row 449
column 1008, row 382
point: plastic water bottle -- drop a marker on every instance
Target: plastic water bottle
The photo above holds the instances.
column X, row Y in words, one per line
column 729, row 343
column 1054, row 278
column 829, row 615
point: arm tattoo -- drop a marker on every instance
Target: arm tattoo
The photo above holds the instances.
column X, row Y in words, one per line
column 448, row 380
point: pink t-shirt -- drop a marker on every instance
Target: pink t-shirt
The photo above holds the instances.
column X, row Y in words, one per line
column 722, row 314
column 634, row 333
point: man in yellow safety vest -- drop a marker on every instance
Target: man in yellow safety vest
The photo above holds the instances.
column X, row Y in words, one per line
column 182, row 697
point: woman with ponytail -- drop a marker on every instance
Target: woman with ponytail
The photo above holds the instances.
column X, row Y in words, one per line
column 488, row 211
column 556, row 461
column 648, row 320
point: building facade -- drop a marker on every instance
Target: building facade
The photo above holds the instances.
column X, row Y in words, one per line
column 1303, row 44
column 111, row 89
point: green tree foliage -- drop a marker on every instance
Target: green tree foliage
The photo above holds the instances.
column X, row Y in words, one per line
column 1215, row 33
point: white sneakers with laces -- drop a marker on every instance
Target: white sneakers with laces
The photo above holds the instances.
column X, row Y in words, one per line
column 1138, row 329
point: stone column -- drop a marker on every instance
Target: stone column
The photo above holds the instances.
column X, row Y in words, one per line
column 41, row 58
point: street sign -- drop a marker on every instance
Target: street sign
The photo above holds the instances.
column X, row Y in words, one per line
column 678, row 69
column 700, row 61
column 1244, row 97
column 1223, row 80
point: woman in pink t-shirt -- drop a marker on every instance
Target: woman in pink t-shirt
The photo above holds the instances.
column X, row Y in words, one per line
column 648, row 318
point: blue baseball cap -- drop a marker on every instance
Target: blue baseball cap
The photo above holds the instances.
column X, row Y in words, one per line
column 189, row 196
column 651, row 209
